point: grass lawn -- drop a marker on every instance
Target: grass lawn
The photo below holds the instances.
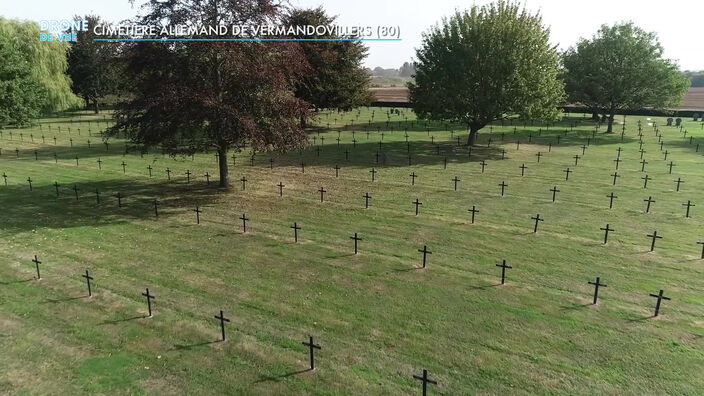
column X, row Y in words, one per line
column 378, row 317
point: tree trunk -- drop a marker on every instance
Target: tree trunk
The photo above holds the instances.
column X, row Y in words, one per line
column 222, row 163
column 612, row 113
column 96, row 110
column 473, row 132
column 595, row 116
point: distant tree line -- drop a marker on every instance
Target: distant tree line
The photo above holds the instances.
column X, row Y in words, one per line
column 408, row 69
column 696, row 77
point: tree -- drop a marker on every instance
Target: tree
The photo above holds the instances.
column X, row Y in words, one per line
column 94, row 66
column 487, row 64
column 407, row 70
column 33, row 77
column 197, row 96
column 622, row 67
column 338, row 80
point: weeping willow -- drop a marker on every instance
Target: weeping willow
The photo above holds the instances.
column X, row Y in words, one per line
column 33, row 78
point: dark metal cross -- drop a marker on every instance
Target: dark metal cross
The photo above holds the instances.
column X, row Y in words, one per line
column 417, row 203
column 670, row 165
column 366, row 200
column 56, row 186
column 425, row 252
column 554, row 192
column 119, row 199
column 617, row 161
column 168, row 174
column 188, row 176
column 36, row 263
column 412, row 175
column 303, row 167
column 149, row 301
column 312, row 346
column 665, row 155
column 474, row 211
column 29, row 180
column 337, row 170
column 503, row 270
column 503, row 187
column 576, row 159
column 156, row 208
column 537, row 219
column 611, row 199
column 149, row 168
column 322, row 192
column 567, row 173
column 426, row 380
column 356, row 239
column 373, row 172
column 654, row 237
column 281, row 189
column 295, row 231
column 207, row 178
column 606, row 232
column 244, row 219
column 660, row 297
column 646, row 178
column 124, row 167
column 483, row 164
column 650, row 200
column 689, row 204
column 198, row 212
column 701, row 243
column 456, row 180
column 523, row 169
column 222, row 319
column 679, row 181
column 538, row 155
column 88, row 279
column 596, row 284
column 244, row 182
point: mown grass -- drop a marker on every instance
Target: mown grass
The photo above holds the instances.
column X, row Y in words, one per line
column 378, row 317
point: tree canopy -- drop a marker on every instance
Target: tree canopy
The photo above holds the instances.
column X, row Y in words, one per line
column 198, row 96
column 94, row 66
column 338, row 79
column 485, row 64
column 33, row 77
column 622, row 67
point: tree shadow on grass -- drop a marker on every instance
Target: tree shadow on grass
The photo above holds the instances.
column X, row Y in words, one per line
column 41, row 208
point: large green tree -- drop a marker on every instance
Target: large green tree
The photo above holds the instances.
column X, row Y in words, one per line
column 94, row 66
column 338, row 79
column 33, row 78
column 485, row 64
column 214, row 95
column 620, row 68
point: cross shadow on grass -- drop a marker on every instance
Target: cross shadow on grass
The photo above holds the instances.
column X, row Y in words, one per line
column 275, row 378
column 116, row 321
column 17, row 281
column 184, row 347
column 65, row 299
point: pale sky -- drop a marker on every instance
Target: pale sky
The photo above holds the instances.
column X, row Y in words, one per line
column 677, row 22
